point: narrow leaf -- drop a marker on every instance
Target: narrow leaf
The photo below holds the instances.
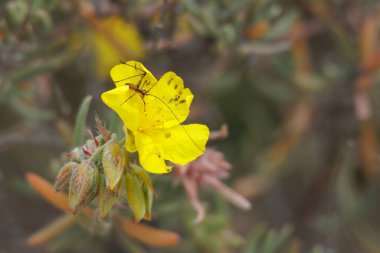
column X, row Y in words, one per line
column 277, row 239
column 149, row 235
column 80, row 122
column 256, row 238
column 46, row 190
column 282, row 238
column 52, row 230
column 58, row 199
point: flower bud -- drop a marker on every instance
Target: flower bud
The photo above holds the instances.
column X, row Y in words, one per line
column 112, row 164
column 62, row 180
column 83, row 185
column 135, row 196
column 76, row 154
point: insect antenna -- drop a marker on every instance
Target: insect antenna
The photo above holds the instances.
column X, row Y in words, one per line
column 187, row 133
column 124, row 79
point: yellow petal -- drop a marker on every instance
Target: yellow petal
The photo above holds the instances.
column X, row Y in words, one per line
column 149, row 156
column 132, row 72
column 167, row 103
column 126, row 103
column 130, row 142
column 181, row 144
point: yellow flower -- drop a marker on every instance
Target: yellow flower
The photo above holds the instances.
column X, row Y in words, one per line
column 108, row 39
column 153, row 112
column 113, row 38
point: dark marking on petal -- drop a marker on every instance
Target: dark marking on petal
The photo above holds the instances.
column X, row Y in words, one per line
column 167, row 135
column 182, row 101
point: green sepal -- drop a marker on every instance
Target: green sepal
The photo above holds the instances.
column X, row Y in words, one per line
column 106, row 198
column 135, row 196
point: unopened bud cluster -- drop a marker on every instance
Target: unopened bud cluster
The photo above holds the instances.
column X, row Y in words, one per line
column 100, row 168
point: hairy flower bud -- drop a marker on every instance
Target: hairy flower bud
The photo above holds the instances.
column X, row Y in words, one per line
column 112, row 164
column 62, row 180
column 83, row 185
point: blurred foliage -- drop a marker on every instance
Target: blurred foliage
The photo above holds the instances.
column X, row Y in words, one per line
column 296, row 81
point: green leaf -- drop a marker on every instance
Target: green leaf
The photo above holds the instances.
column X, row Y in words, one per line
column 277, row 239
column 192, row 7
column 31, row 113
column 233, row 9
column 41, row 65
column 256, row 238
column 135, row 196
column 80, row 121
column 283, row 237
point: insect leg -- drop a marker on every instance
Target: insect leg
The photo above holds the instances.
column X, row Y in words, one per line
column 127, row 99
column 146, row 82
column 124, row 79
column 142, row 97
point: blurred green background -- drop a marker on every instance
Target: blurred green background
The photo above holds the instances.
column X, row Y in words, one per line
column 296, row 81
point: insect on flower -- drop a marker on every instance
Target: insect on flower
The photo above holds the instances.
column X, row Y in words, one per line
column 153, row 111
